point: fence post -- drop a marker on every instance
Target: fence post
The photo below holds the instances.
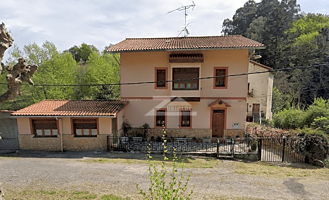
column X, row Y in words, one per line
column 283, row 148
column 217, row 147
column 259, row 149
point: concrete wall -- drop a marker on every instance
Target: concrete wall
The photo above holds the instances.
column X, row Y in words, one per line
column 69, row 143
column 261, row 86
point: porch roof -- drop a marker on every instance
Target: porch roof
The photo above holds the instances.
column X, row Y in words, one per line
column 73, row 108
column 220, row 102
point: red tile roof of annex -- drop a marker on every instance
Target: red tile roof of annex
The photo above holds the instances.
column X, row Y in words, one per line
column 260, row 65
column 73, row 108
column 185, row 43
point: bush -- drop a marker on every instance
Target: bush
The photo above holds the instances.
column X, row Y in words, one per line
column 313, row 146
column 289, row 119
column 320, row 108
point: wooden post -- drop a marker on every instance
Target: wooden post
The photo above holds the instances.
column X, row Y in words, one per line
column 283, row 148
column 259, row 149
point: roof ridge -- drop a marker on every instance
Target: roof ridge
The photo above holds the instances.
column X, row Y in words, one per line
column 210, row 36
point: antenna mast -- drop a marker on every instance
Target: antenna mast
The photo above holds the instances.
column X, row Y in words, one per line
column 181, row 9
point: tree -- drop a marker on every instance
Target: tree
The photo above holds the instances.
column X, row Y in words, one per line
column 17, row 74
column 241, row 20
column 81, row 54
column 100, row 69
column 55, row 68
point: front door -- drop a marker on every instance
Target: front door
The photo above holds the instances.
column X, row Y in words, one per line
column 255, row 112
column 218, row 120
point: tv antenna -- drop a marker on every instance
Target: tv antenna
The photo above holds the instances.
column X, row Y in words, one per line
column 185, row 9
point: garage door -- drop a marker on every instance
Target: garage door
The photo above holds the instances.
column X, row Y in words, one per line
column 9, row 134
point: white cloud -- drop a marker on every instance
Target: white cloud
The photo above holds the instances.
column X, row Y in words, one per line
column 71, row 22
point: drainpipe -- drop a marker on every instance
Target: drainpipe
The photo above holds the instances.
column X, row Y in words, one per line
column 61, row 131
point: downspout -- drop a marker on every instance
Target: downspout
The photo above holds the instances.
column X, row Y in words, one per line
column 62, row 146
column 61, row 132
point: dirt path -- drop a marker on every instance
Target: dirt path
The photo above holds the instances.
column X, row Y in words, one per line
column 69, row 171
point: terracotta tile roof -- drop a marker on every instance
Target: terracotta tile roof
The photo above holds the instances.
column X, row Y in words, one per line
column 260, row 65
column 73, row 108
column 184, row 43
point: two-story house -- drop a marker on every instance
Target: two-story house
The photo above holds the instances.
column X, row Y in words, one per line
column 189, row 85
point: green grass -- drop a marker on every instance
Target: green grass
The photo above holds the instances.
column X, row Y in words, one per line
column 112, row 197
column 39, row 195
column 188, row 162
column 265, row 169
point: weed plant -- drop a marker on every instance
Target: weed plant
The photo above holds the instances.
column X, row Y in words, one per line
column 162, row 188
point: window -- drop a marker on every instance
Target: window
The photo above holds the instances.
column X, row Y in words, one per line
column 221, row 81
column 85, row 127
column 187, row 74
column 44, row 127
column 160, row 118
column 185, row 119
column 161, row 78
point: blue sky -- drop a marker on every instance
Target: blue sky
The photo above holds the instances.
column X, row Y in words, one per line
column 71, row 22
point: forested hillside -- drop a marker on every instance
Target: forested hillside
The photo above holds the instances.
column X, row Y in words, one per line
column 292, row 38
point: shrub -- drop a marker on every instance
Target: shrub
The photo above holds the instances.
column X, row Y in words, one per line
column 320, row 108
column 313, row 146
column 289, row 119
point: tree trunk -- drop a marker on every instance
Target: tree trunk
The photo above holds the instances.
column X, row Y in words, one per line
column 17, row 74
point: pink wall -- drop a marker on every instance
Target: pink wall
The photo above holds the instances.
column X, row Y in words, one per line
column 105, row 125
column 140, row 66
column 139, row 112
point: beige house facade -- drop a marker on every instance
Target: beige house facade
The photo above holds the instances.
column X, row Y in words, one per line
column 260, row 89
column 190, row 86
column 180, row 87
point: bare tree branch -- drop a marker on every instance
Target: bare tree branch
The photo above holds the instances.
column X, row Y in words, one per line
column 5, row 42
column 17, row 74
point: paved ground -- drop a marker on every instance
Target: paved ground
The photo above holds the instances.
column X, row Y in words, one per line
column 56, row 171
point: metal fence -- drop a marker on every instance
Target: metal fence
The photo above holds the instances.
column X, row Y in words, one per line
column 264, row 149
column 279, row 150
column 215, row 146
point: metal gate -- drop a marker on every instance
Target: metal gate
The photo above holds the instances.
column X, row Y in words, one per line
column 8, row 132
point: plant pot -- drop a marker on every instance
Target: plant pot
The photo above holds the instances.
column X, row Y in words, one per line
column 124, row 140
column 137, row 139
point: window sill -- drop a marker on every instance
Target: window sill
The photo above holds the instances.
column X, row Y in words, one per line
column 48, row 136
column 85, row 136
column 219, row 87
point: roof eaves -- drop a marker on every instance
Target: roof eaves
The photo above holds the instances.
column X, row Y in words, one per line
column 182, row 49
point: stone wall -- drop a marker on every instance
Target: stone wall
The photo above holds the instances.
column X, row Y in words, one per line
column 234, row 133
column 70, row 143
column 29, row 142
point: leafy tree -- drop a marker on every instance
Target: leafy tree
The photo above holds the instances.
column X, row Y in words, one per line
column 54, row 68
column 241, row 20
column 100, row 69
column 81, row 53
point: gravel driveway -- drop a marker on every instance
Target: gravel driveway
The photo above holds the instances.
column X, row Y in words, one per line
column 56, row 171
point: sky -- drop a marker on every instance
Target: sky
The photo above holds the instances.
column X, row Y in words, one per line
column 102, row 22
